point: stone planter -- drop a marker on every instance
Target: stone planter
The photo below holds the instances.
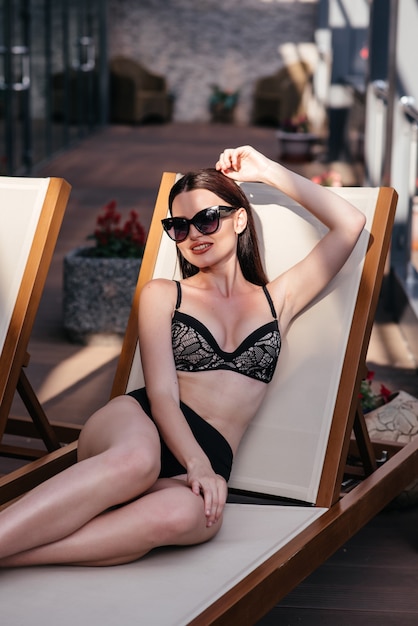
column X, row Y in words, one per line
column 97, row 296
column 397, row 421
column 296, row 147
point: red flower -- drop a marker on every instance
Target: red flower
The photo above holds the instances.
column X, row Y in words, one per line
column 113, row 240
column 385, row 393
column 369, row 399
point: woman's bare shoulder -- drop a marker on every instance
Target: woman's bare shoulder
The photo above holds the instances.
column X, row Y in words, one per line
column 158, row 285
column 159, row 290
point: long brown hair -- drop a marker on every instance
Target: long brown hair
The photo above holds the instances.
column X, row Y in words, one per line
column 247, row 248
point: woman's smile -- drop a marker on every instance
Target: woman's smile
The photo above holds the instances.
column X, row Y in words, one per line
column 200, row 248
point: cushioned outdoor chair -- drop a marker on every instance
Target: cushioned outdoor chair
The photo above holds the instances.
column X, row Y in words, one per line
column 279, row 97
column 137, row 95
column 295, row 451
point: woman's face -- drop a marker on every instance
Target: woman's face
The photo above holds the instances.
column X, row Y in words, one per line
column 206, row 250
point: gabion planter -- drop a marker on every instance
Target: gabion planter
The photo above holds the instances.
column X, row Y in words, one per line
column 98, row 296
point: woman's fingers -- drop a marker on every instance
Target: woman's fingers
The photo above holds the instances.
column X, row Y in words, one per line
column 228, row 161
column 242, row 164
column 214, row 492
column 214, row 496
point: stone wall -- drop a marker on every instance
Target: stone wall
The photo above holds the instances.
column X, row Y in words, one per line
column 198, row 43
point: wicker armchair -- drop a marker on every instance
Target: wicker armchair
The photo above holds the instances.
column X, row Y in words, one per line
column 137, row 95
column 280, row 96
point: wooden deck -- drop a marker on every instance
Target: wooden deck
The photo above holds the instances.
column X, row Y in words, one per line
column 370, row 581
column 373, row 578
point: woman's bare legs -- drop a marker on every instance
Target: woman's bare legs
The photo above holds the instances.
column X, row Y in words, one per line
column 119, row 454
column 170, row 514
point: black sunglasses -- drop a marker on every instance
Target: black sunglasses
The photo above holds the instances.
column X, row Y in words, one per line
column 206, row 222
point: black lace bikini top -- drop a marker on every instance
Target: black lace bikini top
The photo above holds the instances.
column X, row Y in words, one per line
column 196, row 350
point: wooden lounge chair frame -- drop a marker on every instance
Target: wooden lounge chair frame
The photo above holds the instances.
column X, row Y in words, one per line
column 329, row 520
column 31, row 215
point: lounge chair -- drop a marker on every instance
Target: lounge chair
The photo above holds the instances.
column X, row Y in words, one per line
column 293, row 456
column 31, row 212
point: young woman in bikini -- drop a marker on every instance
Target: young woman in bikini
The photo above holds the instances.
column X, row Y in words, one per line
column 153, row 466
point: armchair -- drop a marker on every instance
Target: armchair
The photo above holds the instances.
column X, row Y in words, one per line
column 137, row 95
column 280, row 96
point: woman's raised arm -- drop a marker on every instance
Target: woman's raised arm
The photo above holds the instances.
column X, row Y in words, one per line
column 294, row 289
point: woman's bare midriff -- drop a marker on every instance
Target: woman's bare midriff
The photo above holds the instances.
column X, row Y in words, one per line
column 227, row 400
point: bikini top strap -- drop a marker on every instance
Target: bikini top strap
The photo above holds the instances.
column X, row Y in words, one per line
column 270, row 301
column 178, row 294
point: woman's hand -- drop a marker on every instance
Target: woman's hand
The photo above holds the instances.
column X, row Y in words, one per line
column 244, row 164
column 203, row 481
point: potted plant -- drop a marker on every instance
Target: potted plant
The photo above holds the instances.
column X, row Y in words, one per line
column 295, row 140
column 222, row 104
column 100, row 279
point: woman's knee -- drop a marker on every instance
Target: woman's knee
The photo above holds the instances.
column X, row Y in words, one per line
column 121, row 421
column 97, row 433
column 125, row 444
column 185, row 522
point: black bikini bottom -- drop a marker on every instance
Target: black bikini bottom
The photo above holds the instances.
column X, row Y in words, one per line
column 211, row 441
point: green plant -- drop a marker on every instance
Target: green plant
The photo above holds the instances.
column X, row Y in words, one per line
column 114, row 240
column 221, row 98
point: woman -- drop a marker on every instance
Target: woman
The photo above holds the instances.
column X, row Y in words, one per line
column 207, row 342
